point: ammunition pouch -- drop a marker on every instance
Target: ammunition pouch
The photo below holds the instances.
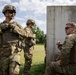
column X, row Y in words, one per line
column 10, row 48
column 5, row 51
column 16, row 47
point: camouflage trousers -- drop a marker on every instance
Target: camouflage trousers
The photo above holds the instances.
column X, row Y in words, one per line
column 28, row 54
column 9, row 63
column 54, row 69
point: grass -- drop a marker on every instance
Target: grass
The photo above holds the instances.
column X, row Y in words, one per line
column 38, row 66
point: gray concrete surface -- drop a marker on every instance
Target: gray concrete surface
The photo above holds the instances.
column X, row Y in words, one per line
column 57, row 17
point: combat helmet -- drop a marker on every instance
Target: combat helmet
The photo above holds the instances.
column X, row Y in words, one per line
column 8, row 7
column 30, row 21
column 73, row 24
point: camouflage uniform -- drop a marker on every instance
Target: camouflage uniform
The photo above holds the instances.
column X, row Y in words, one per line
column 28, row 50
column 67, row 64
column 10, row 49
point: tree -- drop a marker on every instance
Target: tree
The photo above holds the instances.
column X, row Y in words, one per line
column 40, row 36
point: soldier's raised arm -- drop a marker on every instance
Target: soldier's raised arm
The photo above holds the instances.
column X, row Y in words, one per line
column 16, row 28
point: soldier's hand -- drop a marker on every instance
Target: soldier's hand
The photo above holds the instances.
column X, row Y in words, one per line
column 11, row 26
column 58, row 43
column 4, row 26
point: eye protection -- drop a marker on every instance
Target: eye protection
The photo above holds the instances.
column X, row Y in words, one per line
column 66, row 28
column 11, row 11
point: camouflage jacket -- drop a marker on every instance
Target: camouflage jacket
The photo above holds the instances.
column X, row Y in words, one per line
column 30, row 40
column 68, row 51
column 10, row 32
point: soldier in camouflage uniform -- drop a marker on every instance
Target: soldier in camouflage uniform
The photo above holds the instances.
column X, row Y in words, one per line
column 67, row 63
column 10, row 47
column 29, row 46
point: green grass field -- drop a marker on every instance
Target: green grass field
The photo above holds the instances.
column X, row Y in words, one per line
column 38, row 66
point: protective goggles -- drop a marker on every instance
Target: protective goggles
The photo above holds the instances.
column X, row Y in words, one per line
column 66, row 28
column 11, row 11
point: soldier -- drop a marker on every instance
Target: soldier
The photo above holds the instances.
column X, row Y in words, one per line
column 10, row 47
column 29, row 46
column 67, row 63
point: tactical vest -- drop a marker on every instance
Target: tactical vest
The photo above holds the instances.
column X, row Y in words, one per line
column 6, row 35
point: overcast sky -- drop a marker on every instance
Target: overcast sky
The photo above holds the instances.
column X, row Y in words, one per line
column 34, row 9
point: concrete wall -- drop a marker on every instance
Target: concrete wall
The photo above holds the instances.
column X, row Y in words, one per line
column 57, row 17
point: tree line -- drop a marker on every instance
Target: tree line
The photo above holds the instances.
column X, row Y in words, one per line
column 40, row 36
